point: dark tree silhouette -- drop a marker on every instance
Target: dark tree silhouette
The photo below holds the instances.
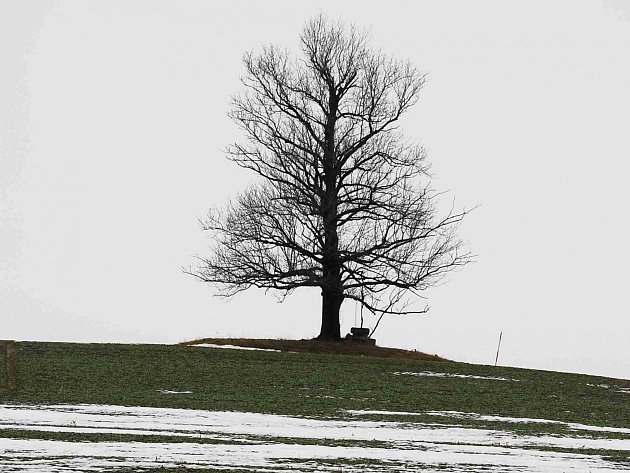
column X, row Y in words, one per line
column 343, row 201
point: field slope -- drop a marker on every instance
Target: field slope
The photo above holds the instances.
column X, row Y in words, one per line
column 109, row 407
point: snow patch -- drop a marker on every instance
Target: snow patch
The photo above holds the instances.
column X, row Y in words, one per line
column 47, row 456
column 258, row 441
column 232, row 347
column 383, row 413
column 487, row 418
column 451, row 375
column 604, row 386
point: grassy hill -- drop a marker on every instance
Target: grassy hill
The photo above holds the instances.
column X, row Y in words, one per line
column 415, row 390
column 272, row 382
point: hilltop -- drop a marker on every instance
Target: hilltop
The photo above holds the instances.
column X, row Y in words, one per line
column 345, row 347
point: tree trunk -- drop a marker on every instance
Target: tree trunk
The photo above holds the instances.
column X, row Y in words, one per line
column 331, row 302
column 332, row 289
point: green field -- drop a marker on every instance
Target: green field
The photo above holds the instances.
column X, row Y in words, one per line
column 319, row 387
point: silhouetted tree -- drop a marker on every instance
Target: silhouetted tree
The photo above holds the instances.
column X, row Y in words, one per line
column 343, row 202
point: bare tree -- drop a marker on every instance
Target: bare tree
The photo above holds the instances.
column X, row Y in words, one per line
column 343, row 201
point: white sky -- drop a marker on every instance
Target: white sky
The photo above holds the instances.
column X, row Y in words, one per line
column 112, row 122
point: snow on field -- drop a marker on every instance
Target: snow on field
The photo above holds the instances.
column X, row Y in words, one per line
column 91, row 456
column 606, row 386
column 270, row 442
column 433, row 374
column 570, row 425
column 232, row 347
column 514, row 420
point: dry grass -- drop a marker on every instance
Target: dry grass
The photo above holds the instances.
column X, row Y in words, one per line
column 347, row 347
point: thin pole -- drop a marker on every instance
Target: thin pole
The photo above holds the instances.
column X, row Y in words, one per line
column 362, row 299
column 361, row 315
column 498, row 348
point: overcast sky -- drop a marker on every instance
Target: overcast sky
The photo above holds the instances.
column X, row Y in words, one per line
column 112, row 125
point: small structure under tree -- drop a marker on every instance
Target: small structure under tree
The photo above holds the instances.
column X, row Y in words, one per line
column 343, row 201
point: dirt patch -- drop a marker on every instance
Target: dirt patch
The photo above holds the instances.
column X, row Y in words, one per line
column 344, row 347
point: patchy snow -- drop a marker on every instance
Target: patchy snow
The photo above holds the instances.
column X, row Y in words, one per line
column 383, row 413
column 251, row 440
column 570, row 425
column 486, row 418
column 607, row 386
column 233, row 347
column 20, row 455
column 451, row 375
column 167, row 391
